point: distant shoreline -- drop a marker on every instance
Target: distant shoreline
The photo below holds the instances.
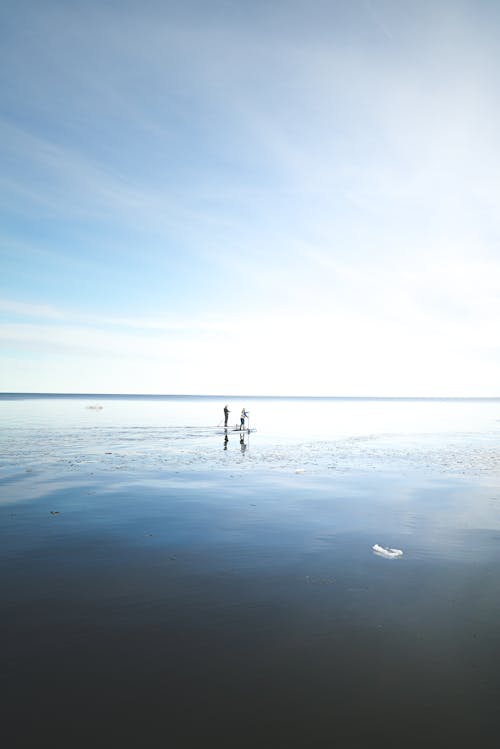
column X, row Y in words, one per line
column 163, row 396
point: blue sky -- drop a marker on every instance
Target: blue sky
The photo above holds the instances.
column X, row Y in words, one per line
column 265, row 198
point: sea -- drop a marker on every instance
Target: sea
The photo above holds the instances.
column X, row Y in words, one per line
column 168, row 580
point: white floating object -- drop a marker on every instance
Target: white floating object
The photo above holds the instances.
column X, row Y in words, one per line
column 300, row 470
column 387, row 553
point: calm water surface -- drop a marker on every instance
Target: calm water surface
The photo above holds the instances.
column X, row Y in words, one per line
column 317, row 434
column 163, row 584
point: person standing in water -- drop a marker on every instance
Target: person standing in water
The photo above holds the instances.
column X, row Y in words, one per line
column 226, row 414
column 244, row 415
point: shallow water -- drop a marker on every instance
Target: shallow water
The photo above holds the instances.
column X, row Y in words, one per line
column 157, row 587
column 320, row 435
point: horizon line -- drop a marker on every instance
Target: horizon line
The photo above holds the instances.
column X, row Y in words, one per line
column 29, row 394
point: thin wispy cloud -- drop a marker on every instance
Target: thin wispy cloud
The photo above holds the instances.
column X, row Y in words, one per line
column 47, row 312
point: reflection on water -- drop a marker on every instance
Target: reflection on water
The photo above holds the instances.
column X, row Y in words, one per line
column 255, row 604
column 243, row 439
column 168, row 581
column 339, row 436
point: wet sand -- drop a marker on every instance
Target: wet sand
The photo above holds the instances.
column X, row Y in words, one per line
column 248, row 609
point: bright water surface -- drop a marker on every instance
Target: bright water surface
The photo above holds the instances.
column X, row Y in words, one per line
column 161, row 584
column 454, row 436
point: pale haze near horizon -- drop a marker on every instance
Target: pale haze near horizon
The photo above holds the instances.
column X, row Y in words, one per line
column 281, row 198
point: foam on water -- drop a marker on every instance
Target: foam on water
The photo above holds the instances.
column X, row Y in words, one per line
column 387, row 552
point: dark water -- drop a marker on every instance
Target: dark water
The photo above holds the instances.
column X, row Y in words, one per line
column 150, row 603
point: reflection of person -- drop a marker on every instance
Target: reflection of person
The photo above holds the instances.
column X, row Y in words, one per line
column 242, row 443
column 226, row 440
column 244, row 415
column 226, row 414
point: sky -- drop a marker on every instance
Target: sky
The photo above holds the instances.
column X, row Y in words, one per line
column 280, row 197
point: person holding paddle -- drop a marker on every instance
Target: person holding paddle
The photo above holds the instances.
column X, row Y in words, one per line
column 244, row 415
